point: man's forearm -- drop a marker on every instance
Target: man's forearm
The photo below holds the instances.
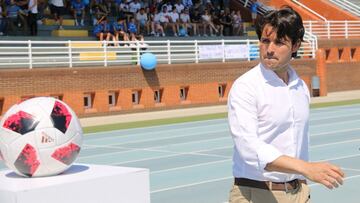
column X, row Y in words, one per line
column 321, row 172
column 287, row 164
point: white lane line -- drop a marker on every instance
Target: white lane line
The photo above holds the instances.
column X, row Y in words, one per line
column 337, row 123
column 334, row 132
column 225, row 130
column 346, row 178
column 129, row 149
column 149, row 132
column 166, row 138
column 221, row 179
column 331, row 117
column 334, row 143
column 192, row 184
column 351, row 169
column 162, row 126
column 336, row 108
column 172, row 154
column 190, row 166
column 338, row 158
column 133, row 149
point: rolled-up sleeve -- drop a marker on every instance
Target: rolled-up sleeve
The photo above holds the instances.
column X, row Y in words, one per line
column 243, row 122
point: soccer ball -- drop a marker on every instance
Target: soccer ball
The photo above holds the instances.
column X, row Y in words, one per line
column 40, row 137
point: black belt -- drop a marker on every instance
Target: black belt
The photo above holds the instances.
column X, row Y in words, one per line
column 266, row 185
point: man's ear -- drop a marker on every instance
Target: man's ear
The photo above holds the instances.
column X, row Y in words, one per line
column 296, row 46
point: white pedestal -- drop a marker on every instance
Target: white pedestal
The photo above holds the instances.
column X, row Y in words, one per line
column 79, row 184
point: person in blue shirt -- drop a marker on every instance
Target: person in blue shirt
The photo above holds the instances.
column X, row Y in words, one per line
column 102, row 30
column 254, row 9
column 78, row 10
column 132, row 27
column 132, row 30
column 13, row 16
column 119, row 30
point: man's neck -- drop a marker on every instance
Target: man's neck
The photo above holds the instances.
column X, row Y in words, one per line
column 283, row 75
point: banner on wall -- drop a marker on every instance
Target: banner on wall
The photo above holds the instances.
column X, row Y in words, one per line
column 229, row 51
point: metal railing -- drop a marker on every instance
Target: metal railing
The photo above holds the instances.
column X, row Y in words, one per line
column 36, row 54
column 348, row 6
column 333, row 29
column 310, row 10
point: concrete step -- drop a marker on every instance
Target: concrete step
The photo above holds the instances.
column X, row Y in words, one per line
column 70, row 33
column 55, row 27
column 66, row 22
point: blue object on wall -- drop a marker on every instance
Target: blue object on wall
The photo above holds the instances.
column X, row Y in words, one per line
column 148, row 61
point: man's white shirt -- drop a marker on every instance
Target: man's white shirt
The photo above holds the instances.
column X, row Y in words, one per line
column 134, row 7
column 267, row 119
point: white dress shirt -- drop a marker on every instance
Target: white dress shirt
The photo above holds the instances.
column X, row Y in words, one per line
column 267, row 119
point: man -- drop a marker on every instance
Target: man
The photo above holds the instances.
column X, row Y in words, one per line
column 57, row 8
column 268, row 117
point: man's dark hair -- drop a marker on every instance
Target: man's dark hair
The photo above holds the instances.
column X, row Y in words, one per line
column 287, row 23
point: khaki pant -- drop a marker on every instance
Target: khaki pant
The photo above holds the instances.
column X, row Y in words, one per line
column 243, row 194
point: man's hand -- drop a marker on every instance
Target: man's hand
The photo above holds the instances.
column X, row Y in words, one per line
column 324, row 173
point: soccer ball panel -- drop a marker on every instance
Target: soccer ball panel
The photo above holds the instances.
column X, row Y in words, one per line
column 22, row 155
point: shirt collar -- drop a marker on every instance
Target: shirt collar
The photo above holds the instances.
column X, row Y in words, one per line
column 270, row 76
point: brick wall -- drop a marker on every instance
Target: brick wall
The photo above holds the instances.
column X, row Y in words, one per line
column 200, row 82
column 343, row 76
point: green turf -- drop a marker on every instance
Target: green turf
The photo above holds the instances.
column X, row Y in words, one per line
column 138, row 124
column 338, row 103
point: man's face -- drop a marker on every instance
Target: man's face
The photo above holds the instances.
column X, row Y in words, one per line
column 275, row 54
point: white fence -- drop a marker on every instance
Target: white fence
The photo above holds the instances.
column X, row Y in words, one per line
column 35, row 54
column 333, row 29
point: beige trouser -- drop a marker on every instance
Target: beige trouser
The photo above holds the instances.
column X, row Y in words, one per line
column 243, row 194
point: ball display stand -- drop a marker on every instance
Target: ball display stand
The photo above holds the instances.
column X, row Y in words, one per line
column 80, row 183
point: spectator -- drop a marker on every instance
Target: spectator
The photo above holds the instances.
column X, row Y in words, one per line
column 13, row 16
column 168, row 6
column 102, row 30
column 78, row 10
column 207, row 22
column 179, row 6
column 97, row 14
column 254, row 10
column 133, row 33
column 187, row 3
column 186, row 23
column 57, row 10
column 142, row 22
column 23, row 14
column 134, row 7
column 237, row 23
column 132, row 27
column 32, row 17
column 226, row 21
column 217, row 23
column 196, row 20
column 165, row 20
column 43, row 9
column 156, row 27
column 174, row 20
column 100, row 5
column 2, row 20
column 119, row 30
column 145, row 3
